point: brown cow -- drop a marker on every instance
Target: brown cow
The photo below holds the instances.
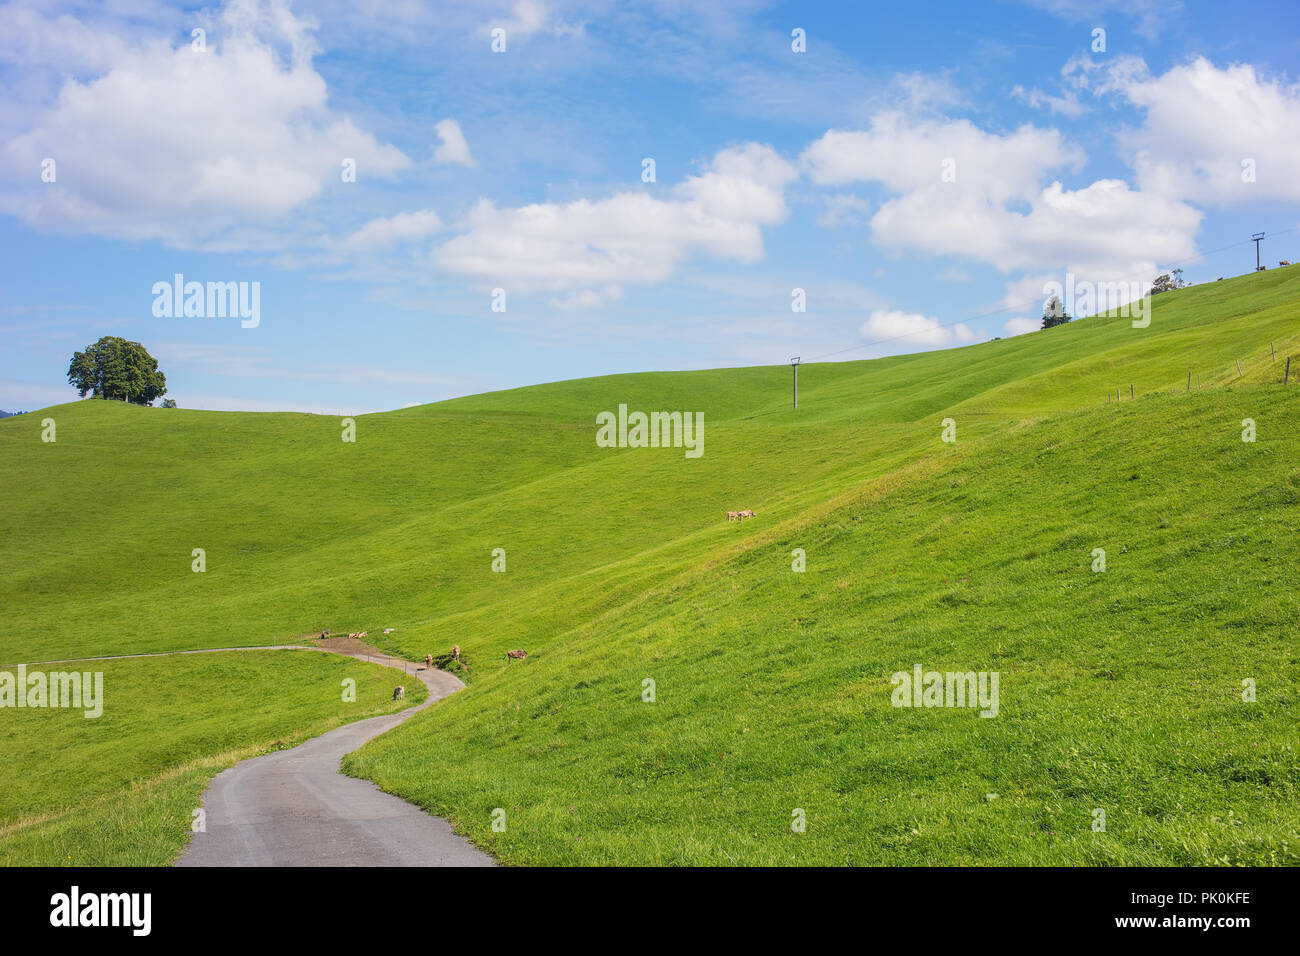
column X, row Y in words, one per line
column 747, row 513
column 1284, row 263
column 455, row 652
column 515, row 655
column 733, row 515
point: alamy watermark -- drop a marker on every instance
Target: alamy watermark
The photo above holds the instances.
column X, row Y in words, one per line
column 37, row 689
column 951, row 689
column 1080, row 297
column 653, row 430
column 75, row 908
column 215, row 300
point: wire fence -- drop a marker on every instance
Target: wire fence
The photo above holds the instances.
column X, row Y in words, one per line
column 1282, row 377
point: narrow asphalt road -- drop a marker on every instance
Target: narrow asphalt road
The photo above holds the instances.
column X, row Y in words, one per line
column 294, row 808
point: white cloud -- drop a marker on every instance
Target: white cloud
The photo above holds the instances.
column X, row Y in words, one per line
column 28, row 39
column 1104, row 230
column 404, row 227
column 844, row 209
column 588, row 298
column 628, row 238
column 187, row 147
column 1067, row 104
column 452, row 147
column 1029, row 292
column 912, row 328
column 1021, row 326
column 921, row 92
column 529, row 17
column 905, row 154
column 999, row 208
column 1202, row 123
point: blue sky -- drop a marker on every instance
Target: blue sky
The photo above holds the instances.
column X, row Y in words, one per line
column 920, row 170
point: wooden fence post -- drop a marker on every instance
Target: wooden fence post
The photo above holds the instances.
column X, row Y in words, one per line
column 1239, row 372
column 1130, row 389
column 1288, row 370
column 1189, row 381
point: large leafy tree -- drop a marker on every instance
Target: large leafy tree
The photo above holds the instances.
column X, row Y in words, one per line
column 117, row 369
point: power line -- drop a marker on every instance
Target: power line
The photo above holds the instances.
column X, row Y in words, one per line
column 985, row 315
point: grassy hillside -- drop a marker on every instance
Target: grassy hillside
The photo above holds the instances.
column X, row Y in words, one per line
column 620, row 567
column 1119, row 690
column 120, row 789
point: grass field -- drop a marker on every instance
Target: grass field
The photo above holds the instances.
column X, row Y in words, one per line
column 120, row 789
column 1120, row 691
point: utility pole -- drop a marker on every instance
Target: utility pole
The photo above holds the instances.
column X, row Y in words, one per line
column 1257, row 236
column 794, row 365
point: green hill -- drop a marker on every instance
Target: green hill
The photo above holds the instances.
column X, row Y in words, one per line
column 1120, row 691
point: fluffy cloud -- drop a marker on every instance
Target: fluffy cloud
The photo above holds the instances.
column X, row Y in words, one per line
column 1103, row 230
column 1202, row 123
column 629, row 238
column 451, row 147
column 907, row 155
column 995, row 205
column 404, row 227
column 175, row 144
column 912, row 328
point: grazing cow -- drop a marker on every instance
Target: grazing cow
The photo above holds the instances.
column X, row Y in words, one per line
column 1220, row 279
column 455, row 652
column 733, row 515
column 1284, row 263
column 515, row 655
column 399, row 692
column 747, row 513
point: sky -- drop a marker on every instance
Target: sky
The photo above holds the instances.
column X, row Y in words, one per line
column 427, row 200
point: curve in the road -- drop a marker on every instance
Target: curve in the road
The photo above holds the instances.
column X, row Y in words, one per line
column 295, row 808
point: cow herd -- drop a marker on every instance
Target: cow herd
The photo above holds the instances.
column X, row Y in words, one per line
column 741, row 515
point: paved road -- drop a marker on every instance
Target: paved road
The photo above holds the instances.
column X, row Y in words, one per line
column 294, row 807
